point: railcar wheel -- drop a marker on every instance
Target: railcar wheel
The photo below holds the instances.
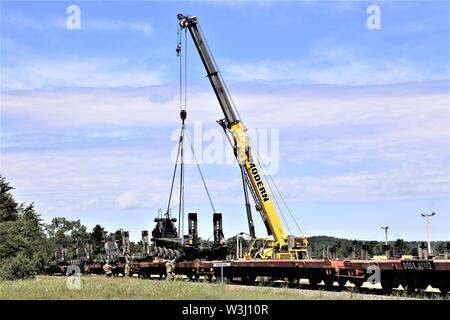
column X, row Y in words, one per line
column 293, row 282
column 313, row 282
column 387, row 285
column 342, row 282
column 358, row 283
column 329, row 282
column 248, row 280
column 444, row 289
column 410, row 288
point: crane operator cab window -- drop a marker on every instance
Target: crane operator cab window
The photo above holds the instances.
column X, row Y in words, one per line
column 259, row 247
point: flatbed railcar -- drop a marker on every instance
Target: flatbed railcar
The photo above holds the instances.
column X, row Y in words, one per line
column 412, row 275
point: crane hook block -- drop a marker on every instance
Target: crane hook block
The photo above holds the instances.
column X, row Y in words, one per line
column 178, row 50
column 183, row 114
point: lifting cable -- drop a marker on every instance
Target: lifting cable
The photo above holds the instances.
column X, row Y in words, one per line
column 178, row 51
column 173, row 180
column 185, row 68
column 183, row 115
column 264, row 172
column 201, row 175
column 181, row 197
column 183, row 135
column 263, row 166
column 180, row 152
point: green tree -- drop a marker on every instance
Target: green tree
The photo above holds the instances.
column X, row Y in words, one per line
column 68, row 234
column 117, row 237
column 38, row 243
column 98, row 236
column 400, row 247
column 136, row 247
column 23, row 248
column 8, row 206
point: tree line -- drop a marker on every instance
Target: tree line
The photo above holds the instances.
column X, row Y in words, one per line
column 27, row 243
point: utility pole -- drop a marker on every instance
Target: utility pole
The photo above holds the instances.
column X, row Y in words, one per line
column 386, row 233
column 427, row 228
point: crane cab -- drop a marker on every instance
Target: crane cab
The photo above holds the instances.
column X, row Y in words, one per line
column 296, row 248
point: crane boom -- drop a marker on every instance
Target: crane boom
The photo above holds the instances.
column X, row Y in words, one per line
column 212, row 72
column 234, row 126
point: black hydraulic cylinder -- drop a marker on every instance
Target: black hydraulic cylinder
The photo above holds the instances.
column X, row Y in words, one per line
column 126, row 242
column 89, row 249
column 145, row 242
column 447, row 251
column 192, row 228
column 218, row 231
column 251, row 226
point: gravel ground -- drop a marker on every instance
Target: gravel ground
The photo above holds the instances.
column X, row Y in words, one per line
column 322, row 294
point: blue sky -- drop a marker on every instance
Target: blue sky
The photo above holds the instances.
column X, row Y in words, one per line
column 362, row 115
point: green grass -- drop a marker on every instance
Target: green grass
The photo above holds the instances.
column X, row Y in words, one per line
column 98, row 287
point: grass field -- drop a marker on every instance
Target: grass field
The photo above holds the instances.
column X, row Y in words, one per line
column 98, row 287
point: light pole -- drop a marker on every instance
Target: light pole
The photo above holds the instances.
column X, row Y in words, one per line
column 386, row 233
column 427, row 228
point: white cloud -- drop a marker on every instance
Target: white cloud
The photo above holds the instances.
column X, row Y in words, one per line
column 44, row 24
column 106, row 25
column 406, row 108
column 76, row 108
column 412, row 182
column 69, row 180
column 403, row 130
column 76, row 72
column 128, row 200
column 339, row 65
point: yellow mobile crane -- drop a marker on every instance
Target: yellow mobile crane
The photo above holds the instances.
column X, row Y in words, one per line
column 281, row 246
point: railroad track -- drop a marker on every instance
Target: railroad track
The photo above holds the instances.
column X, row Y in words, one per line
column 421, row 278
column 366, row 289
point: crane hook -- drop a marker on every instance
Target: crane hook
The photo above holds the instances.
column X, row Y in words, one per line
column 178, row 50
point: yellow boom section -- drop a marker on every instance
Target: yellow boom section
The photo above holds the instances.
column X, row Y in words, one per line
column 256, row 179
